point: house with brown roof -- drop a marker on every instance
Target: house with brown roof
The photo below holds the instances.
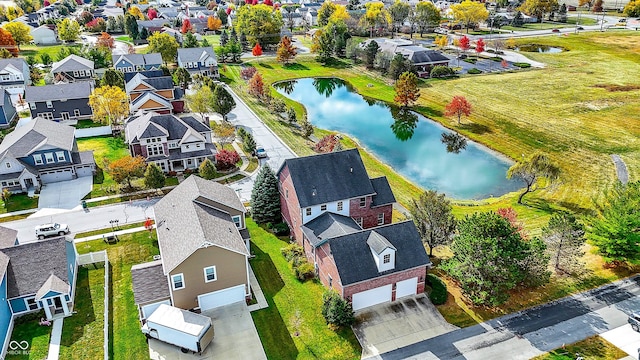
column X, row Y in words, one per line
column 203, row 250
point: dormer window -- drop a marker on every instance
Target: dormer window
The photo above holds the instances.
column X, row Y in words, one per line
column 387, row 259
column 49, row 104
column 363, row 202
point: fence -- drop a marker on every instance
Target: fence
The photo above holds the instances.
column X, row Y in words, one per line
column 93, row 258
column 94, row 131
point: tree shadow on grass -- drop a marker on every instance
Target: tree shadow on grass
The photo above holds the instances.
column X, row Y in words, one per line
column 267, row 66
column 476, row 128
column 337, row 64
column 295, row 66
column 577, row 208
column 74, row 326
column 427, row 111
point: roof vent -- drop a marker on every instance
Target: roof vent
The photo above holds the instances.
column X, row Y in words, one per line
column 314, row 192
column 350, row 170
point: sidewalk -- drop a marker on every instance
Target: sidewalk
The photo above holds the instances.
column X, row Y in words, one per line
column 54, row 342
column 257, row 291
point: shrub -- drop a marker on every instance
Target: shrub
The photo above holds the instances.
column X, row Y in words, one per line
column 172, row 173
column 277, row 106
column 470, row 60
column 281, row 229
column 248, row 72
column 226, row 159
column 522, row 65
column 242, row 133
column 438, row 295
column 335, row 310
column 474, row 71
column 305, row 271
column 496, row 59
column 291, row 251
column 441, row 71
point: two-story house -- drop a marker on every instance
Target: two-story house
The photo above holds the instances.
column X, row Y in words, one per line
column 44, row 35
column 14, row 76
column 71, row 69
column 41, row 152
column 8, row 112
column 153, row 94
column 199, row 61
column 60, row 102
column 173, row 143
column 137, row 62
column 36, row 276
column 203, row 250
column 342, row 219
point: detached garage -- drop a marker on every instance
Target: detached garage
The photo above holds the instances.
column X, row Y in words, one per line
column 221, row 297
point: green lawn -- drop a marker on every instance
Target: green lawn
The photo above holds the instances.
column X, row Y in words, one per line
column 126, row 339
column 108, row 230
column 36, row 50
column 18, row 202
column 286, row 296
column 26, row 328
column 83, row 333
column 124, row 38
column 214, row 40
column 87, row 123
column 104, row 147
column 593, row 348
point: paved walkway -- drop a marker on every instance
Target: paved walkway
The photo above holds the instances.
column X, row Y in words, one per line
column 621, row 168
column 257, row 291
column 54, row 342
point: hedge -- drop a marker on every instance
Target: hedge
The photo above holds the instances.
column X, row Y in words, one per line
column 438, row 295
column 474, row 71
column 522, row 65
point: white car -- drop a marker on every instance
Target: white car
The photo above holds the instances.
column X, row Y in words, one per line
column 53, row 229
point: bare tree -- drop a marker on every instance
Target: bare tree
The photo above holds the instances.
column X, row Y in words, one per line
column 564, row 237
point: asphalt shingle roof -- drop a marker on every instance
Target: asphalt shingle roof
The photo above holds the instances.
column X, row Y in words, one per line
column 383, row 195
column 185, row 224
column 420, row 55
column 7, row 237
column 329, row 177
column 195, row 54
column 72, row 63
column 355, row 262
column 149, row 282
column 77, row 90
column 18, row 63
column 174, row 126
column 53, row 283
column 328, row 225
column 36, row 133
column 157, row 83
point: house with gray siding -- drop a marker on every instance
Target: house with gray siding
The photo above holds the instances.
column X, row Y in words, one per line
column 41, row 152
column 137, row 62
column 14, row 76
column 60, row 102
column 200, row 60
column 8, row 112
column 71, row 69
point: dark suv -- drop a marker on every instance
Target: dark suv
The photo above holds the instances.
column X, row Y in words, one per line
column 634, row 320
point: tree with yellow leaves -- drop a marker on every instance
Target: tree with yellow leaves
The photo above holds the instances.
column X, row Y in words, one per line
column 469, row 13
column 441, row 41
column 375, row 16
column 339, row 14
column 213, row 23
column 20, row 32
column 136, row 12
column 110, row 104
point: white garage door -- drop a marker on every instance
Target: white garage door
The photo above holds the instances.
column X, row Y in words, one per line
column 84, row 171
column 406, row 287
column 221, row 297
column 55, row 176
column 371, row 297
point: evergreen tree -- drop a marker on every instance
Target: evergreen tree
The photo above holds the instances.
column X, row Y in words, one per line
column 224, row 38
column 564, row 237
column 291, row 115
column 131, row 26
column 205, row 43
column 307, row 128
column 336, row 310
column 233, row 36
column 154, row 177
column 249, row 144
column 244, row 42
column 265, row 197
column 190, row 41
column 223, row 102
column 144, row 34
column 207, row 170
column 113, row 77
column 370, row 53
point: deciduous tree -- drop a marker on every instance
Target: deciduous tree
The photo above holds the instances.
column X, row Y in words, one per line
column 207, row 170
column 479, row 46
column 136, row 12
column 433, row 218
column 256, row 85
column 186, row 26
column 260, row 23
column 286, row 51
column 399, row 12
column 614, row 230
column 538, row 8
column 224, row 132
column 164, row 44
column 200, row 101
column 110, row 104
column 265, row 197
column 126, row 169
column 20, row 32
column 226, row 159
column 213, row 23
column 154, row 177
column 398, row 66
column 407, row 91
column 113, row 77
column 223, row 102
column 427, row 15
column 632, row 9
column 152, row 13
column 536, row 172
column 307, row 128
column 457, row 107
column 105, row 40
column 68, row 30
column 257, row 50
column 336, row 310
column 340, row 14
column 464, row 43
column 564, row 237
column 375, row 16
column 469, row 13
column 182, row 77
column 324, row 13
column 7, row 43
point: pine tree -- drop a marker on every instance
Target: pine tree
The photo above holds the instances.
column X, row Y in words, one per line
column 154, row 177
column 207, row 170
column 265, row 197
column 291, row 115
column 224, row 38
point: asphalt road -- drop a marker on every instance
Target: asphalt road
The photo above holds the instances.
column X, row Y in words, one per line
column 532, row 332
column 81, row 221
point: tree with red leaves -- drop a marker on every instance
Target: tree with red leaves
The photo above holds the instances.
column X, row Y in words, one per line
column 504, row 64
column 105, row 40
column 46, row 3
column 268, row 2
column 327, row 144
column 257, row 50
column 186, row 26
column 457, row 107
column 479, row 46
column 512, row 216
column 254, row 2
column 464, row 44
column 228, row 11
column 256, row 85
column 226, row 159
column 7, row 42
column 152, row 13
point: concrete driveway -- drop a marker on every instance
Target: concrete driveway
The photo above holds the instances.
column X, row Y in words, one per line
column 390, row 326
column 624, row 338
column 235, row 337
column 64, row 194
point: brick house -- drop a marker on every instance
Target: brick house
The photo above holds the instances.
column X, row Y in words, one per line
column 342, row 219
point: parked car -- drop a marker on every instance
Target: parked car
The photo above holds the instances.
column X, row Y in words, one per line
column 260, row 153
column 580, row 28
column 634, row 320
column 54, row 229
column 555, row 30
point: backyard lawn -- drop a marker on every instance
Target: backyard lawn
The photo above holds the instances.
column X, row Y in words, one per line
column 126, row 339
column 52, row 50
column 27, row 329
column 104, row 147
column 293, row 307
column 83, row 333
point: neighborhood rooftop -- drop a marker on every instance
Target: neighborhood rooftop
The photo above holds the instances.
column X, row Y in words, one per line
column 25, row 139
column 75, row 90
column 149, row 282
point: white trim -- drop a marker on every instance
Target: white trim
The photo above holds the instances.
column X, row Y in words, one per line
column 173, row 283
column 215, row 274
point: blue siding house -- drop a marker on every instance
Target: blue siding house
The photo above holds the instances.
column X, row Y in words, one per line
column 137, row 62
column 8, row 112
column 35, row 276
column 42, row 152
column 199, row 61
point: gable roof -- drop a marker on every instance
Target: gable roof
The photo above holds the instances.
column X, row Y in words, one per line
column 153, row 124
column 138, row 59
column 420, row 55
column 329, row 177
column 149, row 282
column 150, row 96
column 355, row 263
column 8, row 237
column 186, row 224
column 72, row 63
column 378, row 243
column 31, row 265
column 54, row 284
column 327, row 226
column 383, row 195
column 196, row 54
column 37, row 133
column 76, row 90
column 18, row 63
column 157, row 83
column 148, row 74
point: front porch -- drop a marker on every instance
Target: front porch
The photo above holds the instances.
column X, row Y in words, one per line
column 55, row 307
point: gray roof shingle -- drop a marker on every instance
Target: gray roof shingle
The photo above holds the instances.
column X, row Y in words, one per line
column 18, row 63
column 72, row 63
column 36, row 133
column 420, row 55
column 185, row 223
column 355, row 262
column 139, row 127
column 77, row 90
column 378, row 243
column 325, row 178
column 328, row 225
column 53, row 283
column 7, row 237
column 383, row 195
column 196, row 54
column 149, row 282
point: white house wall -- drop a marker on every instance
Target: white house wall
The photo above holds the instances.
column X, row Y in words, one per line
column 331, row 207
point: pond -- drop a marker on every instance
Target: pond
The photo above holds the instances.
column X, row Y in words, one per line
column 540, row 48
column 406, row 141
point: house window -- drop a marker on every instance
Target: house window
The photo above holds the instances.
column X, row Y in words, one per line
column 236, row 220
column 76, row 112
column 8, row 165
column 37, row 159
column 286, row 193
column 49, row 157
column 32, row 304
column 210, row 274
column 47, row 116
column 177, row 281
column 363, row 202
column 49, row 104
column 154, row 150
column 308, row 211
column 359, row 221
column 380, row 218
column 6, row 77
column 60, row 156
column 339, row 205
column 386, row 259
column 75, row 74
column 32, row 106
column 18, row 77
column 323, row 207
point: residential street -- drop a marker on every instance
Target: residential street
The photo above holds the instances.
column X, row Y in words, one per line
column 81, row 221
column 532, row 332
